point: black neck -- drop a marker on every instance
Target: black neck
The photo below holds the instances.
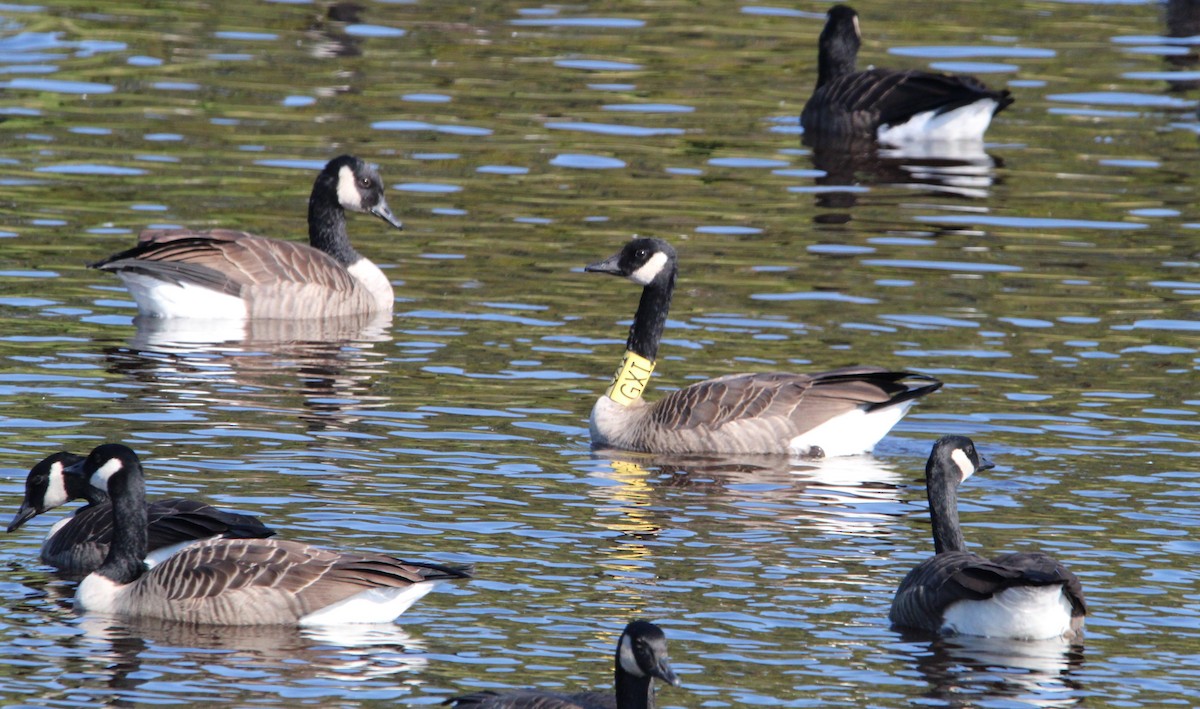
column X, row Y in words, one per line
column 646, row 331
column 634, row 692
column 836, row 57
column 124, row 563
column 942, row 489
column 327, row 223
column 80, row 489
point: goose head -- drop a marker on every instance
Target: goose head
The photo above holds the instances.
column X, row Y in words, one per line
column 47, row 486
column 956, row 457
column 358, row 187
column 643, row 260
column 642, row 652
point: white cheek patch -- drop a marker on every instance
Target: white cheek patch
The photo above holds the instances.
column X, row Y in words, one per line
column 347, row 189
column 628, row 661
column 857, row 29
column 104, row 472
column 964, row 463
column 56, row 488
column 647, row 273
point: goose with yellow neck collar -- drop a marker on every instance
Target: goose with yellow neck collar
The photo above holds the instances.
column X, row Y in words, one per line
column 839, row 412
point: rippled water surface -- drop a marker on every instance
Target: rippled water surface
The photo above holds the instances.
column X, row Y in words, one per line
column 1051, row 279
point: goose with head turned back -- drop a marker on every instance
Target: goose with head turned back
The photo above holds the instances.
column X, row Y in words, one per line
column 641, row 657
column 840, row 412
column 233, row 275
column 1026, row 595
column 891, row 106
column 77, row 544
column 239, row 581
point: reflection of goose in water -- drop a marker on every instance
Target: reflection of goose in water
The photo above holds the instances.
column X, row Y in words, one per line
column 965, row 671
column 1183, row 22
column 852, row 495
column 331, row 364
column 961, row 169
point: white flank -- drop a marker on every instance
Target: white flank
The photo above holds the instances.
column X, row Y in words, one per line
column 608, row 420
column 347, row 189
column 100, row 478
column 164, row 299
column 852, row 433
column 1021, row 613
column 649, row 270
column 58, row 526
column 966, row 123
column 161, row 554
column 628, row 661
column 373, row 280
column 965, row 466
column 97, row 594
column 56, row 488
column 375, row 605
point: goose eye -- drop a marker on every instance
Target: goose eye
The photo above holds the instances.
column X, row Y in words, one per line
column 641, row 253
column 365, row 181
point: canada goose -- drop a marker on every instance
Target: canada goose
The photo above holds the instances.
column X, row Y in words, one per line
column 841, row 412
column 1026, row 596
column 230, row 275
column 239, row 581
column 641, row 656
column 77, row 544
column 891, row 106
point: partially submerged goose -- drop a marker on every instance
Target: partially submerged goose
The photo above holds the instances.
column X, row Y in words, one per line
column 231, row 275
column 76, row 545
column 840, row 412
column 641, row 657
column 891, row 106
column 239, row 581
column 1026, row 596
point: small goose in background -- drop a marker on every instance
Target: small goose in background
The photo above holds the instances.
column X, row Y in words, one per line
column 641, row 657
column 1025, row 596
column 239, row 581
column 232, row 275
column 840, row 412
column 77, row 544
column 891, row 106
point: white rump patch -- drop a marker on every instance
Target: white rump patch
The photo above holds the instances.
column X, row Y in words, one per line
column 375, row 605
column 97, row 594
column 963, row 461
column 56, row 488
column 164, row 299
column 966, row 123
column 852, row 433
column 100, row 478
column 628, row 661
column 650, row 270
column 347, row 189
column 1021, row 613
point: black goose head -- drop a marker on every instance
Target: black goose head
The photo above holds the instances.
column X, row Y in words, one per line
column 357, row 187
column 112, row 468
column 48, row 486
column 642, row 652
column 643, row 260
column 955, row 457
column 838, row 44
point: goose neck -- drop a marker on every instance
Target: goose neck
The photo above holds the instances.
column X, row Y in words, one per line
column 327, row 226
column 941, row 486
column 634, row 692
column 836, row 57
column 124, row 562
column 651, row 318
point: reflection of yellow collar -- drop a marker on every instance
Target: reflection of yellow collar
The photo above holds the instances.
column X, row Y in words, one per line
column 631, row 379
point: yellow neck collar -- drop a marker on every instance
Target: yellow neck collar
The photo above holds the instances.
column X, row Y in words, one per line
column 631, row 379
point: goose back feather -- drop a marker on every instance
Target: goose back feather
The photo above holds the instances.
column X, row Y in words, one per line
column 1025, row 595
column 228, row 274
column 839, row 412
column 891, row 106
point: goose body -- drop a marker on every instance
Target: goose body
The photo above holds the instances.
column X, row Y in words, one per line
column 239, row 581
column 894, row 107
column 233, row 275
column 1026, row 595
column 641, row 657
column 839, row 412
column 77, row 544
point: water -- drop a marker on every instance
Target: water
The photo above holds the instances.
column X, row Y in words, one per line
column 1050, row 279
